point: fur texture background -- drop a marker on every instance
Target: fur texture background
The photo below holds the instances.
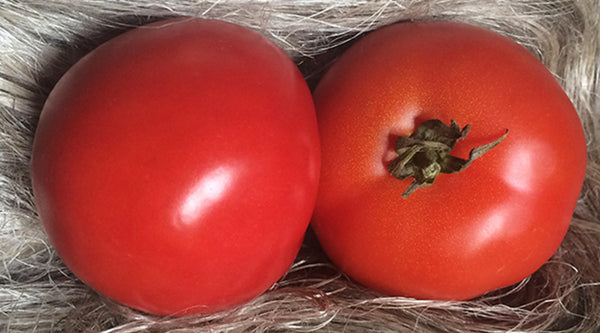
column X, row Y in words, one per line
column 40, row 40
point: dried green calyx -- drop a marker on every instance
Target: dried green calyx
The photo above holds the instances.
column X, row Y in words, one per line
column 426, row 153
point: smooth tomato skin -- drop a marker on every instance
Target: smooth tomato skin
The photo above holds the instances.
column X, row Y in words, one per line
column 175, row 167
column 485, row 228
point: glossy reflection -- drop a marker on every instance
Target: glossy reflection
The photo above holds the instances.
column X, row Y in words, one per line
column 208, row 191
column 527, row 164
column 490, row 229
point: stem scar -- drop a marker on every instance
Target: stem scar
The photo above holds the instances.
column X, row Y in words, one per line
column 426, row 153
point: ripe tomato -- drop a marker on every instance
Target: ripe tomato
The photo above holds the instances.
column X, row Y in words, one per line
column 175, row 167
column 486, row 227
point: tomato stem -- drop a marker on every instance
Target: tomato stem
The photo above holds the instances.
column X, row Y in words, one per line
column 426, row 153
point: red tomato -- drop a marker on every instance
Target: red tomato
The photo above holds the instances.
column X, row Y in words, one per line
column 486, row 227
column 175, row 167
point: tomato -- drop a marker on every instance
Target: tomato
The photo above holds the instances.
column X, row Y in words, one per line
column 175, row 167
column 483, row 228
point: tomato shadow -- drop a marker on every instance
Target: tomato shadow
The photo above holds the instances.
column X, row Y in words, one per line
column 313, row 67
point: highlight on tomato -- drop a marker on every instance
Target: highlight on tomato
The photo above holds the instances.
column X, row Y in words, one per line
column 452, row 161
column 175, row 167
